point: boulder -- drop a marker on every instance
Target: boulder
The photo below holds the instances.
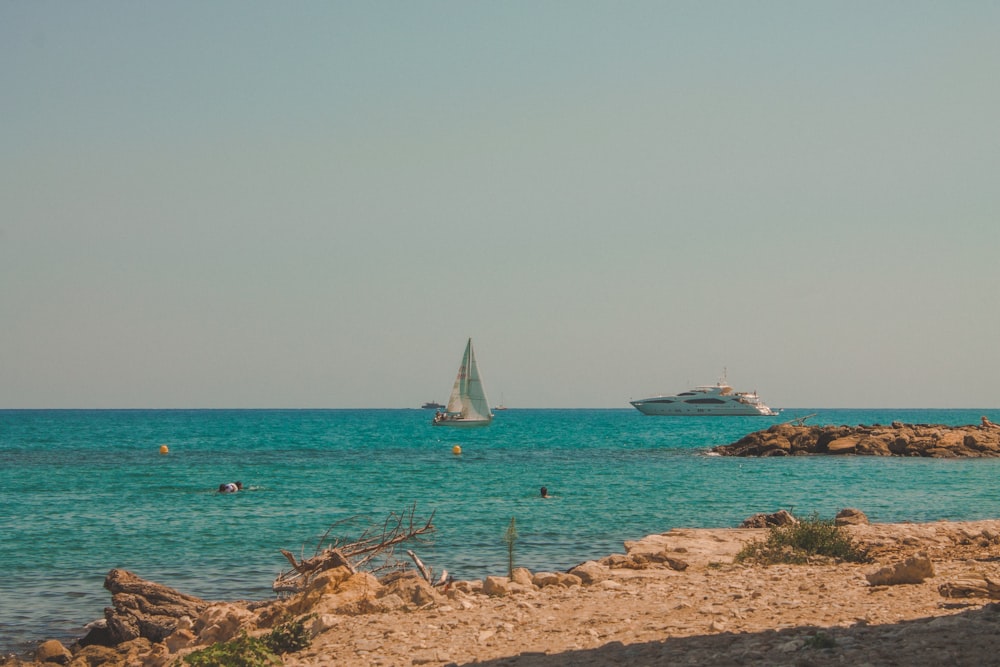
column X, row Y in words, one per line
column 97, row 633
column 543, row 579
column 496, row 586
column 522, row 576
column 913, row 570
column 976, row 587
column 412, row 589
column 96, row 654
column 846, row 445
column 850, row 517
column 220, row 622
column 145, row 609
column 53, row 651
column 467, row 587
column 591, row 572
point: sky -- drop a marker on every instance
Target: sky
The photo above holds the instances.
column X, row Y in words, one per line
column 314, row 204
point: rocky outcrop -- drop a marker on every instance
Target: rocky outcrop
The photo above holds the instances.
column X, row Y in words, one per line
column 897, row 439
column 145, row 609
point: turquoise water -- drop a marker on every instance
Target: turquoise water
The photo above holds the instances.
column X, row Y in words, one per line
column 82, row 492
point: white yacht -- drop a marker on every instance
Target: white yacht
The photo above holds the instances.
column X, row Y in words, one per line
column 706, row 400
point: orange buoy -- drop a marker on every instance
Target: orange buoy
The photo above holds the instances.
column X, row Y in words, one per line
column 456, row 450
column 164, row 449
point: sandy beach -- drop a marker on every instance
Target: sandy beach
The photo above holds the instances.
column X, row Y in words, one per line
column 676, row 598
column 713, row 612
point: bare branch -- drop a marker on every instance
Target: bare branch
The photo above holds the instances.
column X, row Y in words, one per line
column 373, row 550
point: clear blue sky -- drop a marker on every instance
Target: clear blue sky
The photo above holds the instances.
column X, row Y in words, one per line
column 313, row 204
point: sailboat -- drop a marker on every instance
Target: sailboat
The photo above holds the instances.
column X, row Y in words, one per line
column 467, row 405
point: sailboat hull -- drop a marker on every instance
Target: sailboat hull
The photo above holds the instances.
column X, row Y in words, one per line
column 462, row 423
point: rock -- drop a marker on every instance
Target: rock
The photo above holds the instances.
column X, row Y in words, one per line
column 496, row 586
column 145, row 609
column 53, row 651
column 590, row 572
column 779, row 518
column 97, row 655
column 220, row 622
column 981, row 587
column 391, row 602
column 620, row 561
column 543, row 579
column 843, row 445
column 353, row 595
column 850, row 517
column 965, row 588
column 412, row 589
column 568, row 580
column 97, row 633
column 522, row 575
column 181, row 638
column 323, row 622
column 467, row 587
column 911, row 571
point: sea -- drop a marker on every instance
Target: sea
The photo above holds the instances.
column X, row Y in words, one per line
column 86, row 491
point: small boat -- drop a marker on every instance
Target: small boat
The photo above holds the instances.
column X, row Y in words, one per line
column 501, row 406
column 432, row 405
column 706, row 400
column 467, row 405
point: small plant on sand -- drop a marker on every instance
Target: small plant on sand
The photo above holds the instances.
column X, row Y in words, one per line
column 290, row 636
column 244, row 651
column 510, row 537
column 247, row 651
column 798, row 543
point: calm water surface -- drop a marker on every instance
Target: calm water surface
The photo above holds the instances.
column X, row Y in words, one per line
column 82, row 492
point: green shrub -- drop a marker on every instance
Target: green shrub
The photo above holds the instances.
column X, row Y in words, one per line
column 799, row 543
column 246, row 651
column 289, row 637
column 243, row 651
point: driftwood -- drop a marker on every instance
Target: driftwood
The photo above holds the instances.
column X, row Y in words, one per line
column 372, row 551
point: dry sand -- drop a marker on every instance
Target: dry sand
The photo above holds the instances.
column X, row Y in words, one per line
column 713, row 613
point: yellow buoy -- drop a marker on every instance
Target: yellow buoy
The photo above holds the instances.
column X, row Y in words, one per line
column 164, row 449
column 456, row 450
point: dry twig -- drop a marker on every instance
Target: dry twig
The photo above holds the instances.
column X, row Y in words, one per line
column 372, row 551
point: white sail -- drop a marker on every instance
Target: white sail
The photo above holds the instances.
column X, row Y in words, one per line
column 467, row 404
column 475, row 404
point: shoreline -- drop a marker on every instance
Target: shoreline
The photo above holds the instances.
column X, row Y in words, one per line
column 675, row 597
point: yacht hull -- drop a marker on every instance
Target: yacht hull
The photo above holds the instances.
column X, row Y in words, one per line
column 657, row 406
